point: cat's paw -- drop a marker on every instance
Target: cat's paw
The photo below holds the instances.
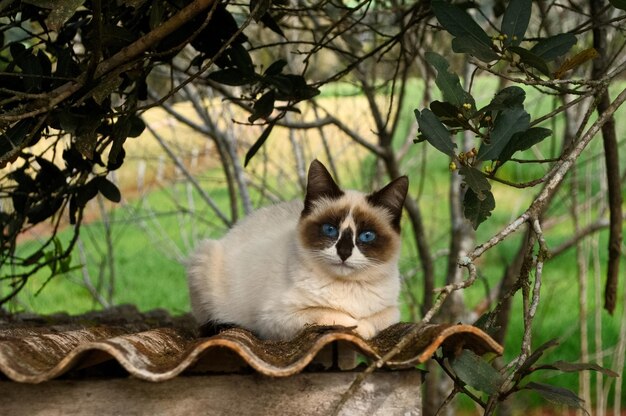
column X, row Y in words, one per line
column 337, row 319
column 365, row 329
column 347, row 321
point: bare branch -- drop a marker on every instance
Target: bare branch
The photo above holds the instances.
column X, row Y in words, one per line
column 209, row 201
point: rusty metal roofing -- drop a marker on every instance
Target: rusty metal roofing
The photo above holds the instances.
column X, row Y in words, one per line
column 157, row 347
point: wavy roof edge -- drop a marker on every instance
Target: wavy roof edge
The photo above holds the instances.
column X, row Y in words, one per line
column 154, row 346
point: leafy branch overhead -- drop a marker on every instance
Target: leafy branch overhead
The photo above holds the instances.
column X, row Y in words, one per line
column 502, row 127
column 92, row 93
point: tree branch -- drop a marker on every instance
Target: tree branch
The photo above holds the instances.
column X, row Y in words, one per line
column 611, row 157
column 556, row 175
column 209, row 201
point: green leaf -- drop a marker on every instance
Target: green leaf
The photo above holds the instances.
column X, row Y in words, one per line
column 259, row 142
column 65, row 65
column 475, row 179
column 44, row 209
column 534, row 357
column 275, row 68
column 515, row 21
column 523, row 140
column 487, row 323
column 230, row 76
column 136, row 126
column 618, row 4
column 272, row 25
column 157, row 10
column 551, row 48
column 117, row 154
column 529, row 58
column 241, row 59
column 29, row 64
column 44, row 63
column 477, row 210
column 87, row 192
column 435, row 132
column 49, row 177
column 474, row 48
column 458, row 23
column 258, row 8
column 446, row 113
column 508, row 122
column 108, row 189
column 506, row 98
column 476, row 372
column 558, row 395
column 263, row 107
column 290, row 87
column 448, row 82
column 576, row 367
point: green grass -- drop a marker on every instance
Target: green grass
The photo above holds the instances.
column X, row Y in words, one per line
column 148, row 253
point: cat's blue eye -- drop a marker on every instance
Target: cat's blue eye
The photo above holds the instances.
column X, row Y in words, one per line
column 330, row 230
column 367, row 236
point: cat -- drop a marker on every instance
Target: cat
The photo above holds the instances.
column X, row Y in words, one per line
column 330, row 260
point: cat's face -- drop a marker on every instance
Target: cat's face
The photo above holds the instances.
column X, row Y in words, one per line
column 349, row 232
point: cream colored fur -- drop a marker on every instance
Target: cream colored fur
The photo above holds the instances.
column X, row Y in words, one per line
column 260, row 276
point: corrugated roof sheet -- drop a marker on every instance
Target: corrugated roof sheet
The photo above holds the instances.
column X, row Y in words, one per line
column 156, row 347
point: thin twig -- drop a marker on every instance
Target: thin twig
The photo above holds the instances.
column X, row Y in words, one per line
column 209, row 201
column 410, row 337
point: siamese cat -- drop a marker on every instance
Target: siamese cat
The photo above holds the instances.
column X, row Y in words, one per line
column 330, row 260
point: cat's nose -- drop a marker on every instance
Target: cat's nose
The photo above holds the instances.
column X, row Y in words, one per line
column 345, row 245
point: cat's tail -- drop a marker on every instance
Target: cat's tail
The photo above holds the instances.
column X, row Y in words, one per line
column 204, row 272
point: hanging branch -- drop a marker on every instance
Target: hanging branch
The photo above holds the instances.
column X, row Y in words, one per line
column 611, row 158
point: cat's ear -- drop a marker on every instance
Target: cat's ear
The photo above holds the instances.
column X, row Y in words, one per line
column 392, row 198
column 319, row 185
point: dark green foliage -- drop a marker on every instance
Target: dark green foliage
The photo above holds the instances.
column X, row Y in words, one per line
column 477, row 209
column 506, row 98
column 524, row 140
column 50, row 87
column 530, row 59
column 259, row 142
column 476, row 372
column 108, row 189
column 551, row 48
column 472, row 370
column 475, row 48
column 448, row 82
column 435, row 132
column 576, row 367
column 476, row 181
column 515, row 21
column 557, row 395
column 503, row 126
column 233, row 77
column 263, row 107
column 460, row 24
column 507, row 123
